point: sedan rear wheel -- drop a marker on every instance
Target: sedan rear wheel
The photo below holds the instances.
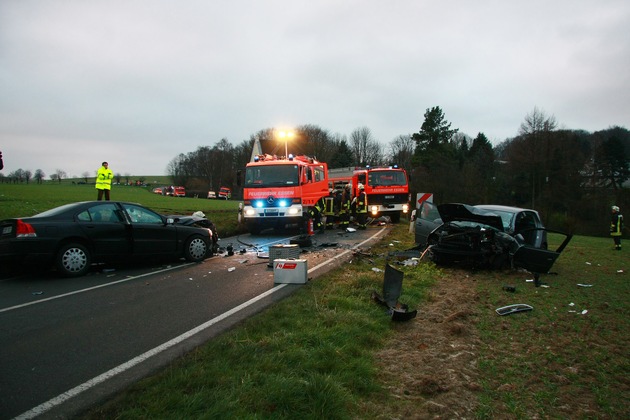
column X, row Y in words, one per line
column 196, row 249
column 73, row 260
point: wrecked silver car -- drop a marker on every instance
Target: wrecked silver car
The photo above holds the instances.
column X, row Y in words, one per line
column 485, row 236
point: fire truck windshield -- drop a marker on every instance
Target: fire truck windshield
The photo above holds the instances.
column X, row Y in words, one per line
column 386, row 178
column 271, row 175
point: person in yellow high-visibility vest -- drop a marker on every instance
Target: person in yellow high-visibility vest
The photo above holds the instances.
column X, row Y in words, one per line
column 104, row 178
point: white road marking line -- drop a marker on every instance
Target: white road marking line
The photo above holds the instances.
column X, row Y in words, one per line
column 48, row 405
column 91, row 288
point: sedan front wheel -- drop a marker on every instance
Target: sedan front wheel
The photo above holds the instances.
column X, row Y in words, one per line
column 195, row 249
column 73, row 260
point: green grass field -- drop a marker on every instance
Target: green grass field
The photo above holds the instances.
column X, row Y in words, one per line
column 316, row 354
column 22, row 200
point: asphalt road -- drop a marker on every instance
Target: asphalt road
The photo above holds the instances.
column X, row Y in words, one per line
column 67, row 344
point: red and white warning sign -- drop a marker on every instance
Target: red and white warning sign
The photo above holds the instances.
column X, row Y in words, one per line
column 423, row 197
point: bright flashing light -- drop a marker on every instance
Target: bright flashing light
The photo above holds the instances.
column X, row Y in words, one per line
column 405, row 208
column 293, row 211
column 256, row 158
column 282, row 203
column 259, row 204
column 250, row 212
column 374, row 210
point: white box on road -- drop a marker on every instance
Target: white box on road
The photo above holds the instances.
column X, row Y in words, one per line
column 290, row 271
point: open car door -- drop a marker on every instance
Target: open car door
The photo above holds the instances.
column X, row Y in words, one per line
column 538, row 260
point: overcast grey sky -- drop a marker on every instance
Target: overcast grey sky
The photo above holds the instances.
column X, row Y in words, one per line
column 136, row 82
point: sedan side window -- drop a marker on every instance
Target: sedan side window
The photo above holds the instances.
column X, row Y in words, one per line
column 103, row 213
column 139, row 214
column 429, row 211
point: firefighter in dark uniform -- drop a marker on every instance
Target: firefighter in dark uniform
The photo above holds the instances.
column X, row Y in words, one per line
column 616, row 227
column 329, row 209
column 362, row 207
column 315, row 213
column 344, row 207
column 336, row 205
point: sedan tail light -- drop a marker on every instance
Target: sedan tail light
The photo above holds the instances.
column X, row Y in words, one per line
column 24, row 230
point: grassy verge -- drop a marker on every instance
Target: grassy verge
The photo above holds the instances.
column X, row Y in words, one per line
column 568, row 358
column 22, row 200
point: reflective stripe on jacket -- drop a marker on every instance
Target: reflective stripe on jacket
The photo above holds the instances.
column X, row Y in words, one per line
column 362, row 202
column 616, row 225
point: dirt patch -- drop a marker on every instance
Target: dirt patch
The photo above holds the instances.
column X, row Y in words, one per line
column 430, row 365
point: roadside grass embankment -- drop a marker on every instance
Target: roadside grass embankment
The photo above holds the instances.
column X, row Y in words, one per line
column 22, row 200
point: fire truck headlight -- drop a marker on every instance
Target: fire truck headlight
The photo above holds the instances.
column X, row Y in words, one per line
column 405, row 208
column 282, row 203
column 293, row 211
column 374, row 210
column 259, row 204
column 250, row 212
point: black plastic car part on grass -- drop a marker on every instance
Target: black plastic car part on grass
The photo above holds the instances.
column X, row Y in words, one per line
column 74, row 236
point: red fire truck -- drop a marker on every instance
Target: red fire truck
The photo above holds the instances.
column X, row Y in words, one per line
column 387, row 188
column 278, row 191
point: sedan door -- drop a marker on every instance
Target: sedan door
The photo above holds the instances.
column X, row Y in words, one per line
column 106, row 229
column 427, row 219
column 150, row 233
column 527, row 224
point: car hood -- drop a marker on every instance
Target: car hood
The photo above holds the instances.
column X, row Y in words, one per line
column 453, row 212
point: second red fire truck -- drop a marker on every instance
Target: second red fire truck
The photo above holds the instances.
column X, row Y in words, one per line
column 387, row 188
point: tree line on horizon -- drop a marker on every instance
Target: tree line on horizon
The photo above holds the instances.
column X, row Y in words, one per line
column 571, row 177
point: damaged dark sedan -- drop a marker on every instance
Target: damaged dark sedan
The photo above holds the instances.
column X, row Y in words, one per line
column 73, row 236
column 485, row 236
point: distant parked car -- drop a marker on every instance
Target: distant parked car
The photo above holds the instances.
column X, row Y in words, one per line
column 158, row 190
column 212, row 195
column 485, row 236
column 74, row 236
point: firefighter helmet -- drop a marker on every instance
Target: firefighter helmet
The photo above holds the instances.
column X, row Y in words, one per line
column 360, row 186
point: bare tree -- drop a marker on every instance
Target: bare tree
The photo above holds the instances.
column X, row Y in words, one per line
column 537, row 122
column 534, row 157
column 401, row 150
column 60, row 174
column 365, row 149
column 315, row 142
